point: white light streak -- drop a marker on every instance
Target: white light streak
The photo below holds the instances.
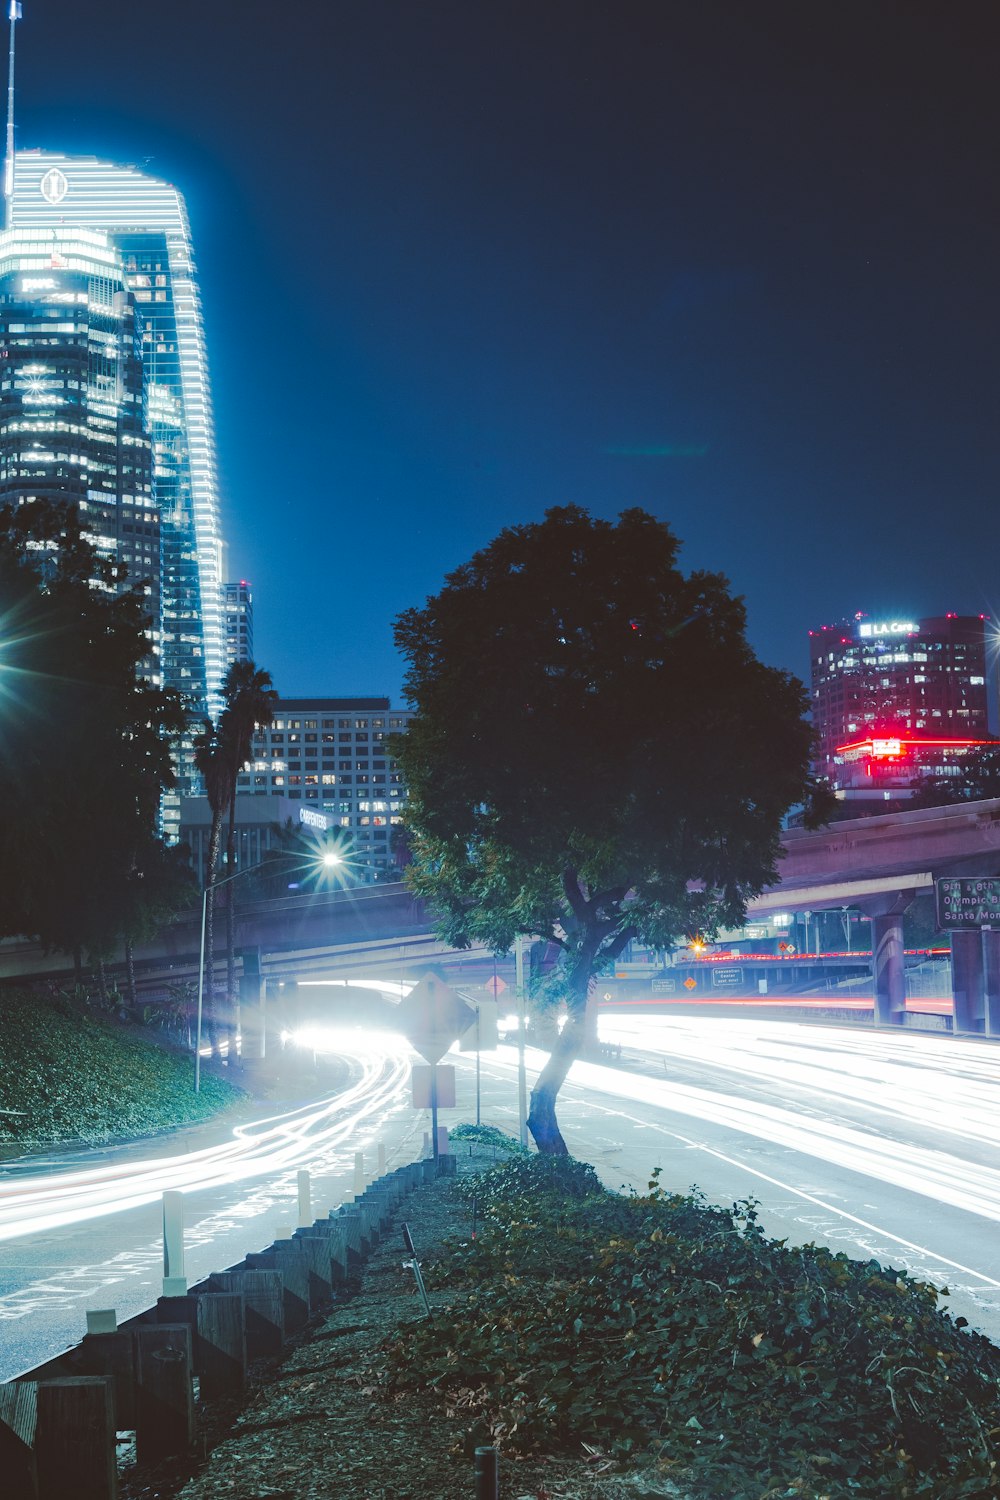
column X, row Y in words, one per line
column 37, row 1204
column 794, row 1086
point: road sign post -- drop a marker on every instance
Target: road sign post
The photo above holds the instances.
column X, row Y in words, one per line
column 431, row 1017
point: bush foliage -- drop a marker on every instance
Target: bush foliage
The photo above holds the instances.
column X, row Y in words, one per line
column 67, row 1077
column 665, row 1331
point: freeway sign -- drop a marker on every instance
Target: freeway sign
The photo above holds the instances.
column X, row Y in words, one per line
column 722, row 978
column 968, row 903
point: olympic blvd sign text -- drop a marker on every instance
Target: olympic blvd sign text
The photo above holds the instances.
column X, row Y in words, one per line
column 968, row 903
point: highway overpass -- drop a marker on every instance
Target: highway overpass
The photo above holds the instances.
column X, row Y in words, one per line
column 875, row 864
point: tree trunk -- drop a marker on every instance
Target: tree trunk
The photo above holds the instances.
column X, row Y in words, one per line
column 569, row 1045
column 580, row 1032
column 102, row 984
column 542, row 1115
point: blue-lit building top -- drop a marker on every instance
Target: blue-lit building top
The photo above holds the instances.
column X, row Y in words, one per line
column 146, row 221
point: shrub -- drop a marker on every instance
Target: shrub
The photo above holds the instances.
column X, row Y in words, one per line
column 66, row 1076
column 662, row 1326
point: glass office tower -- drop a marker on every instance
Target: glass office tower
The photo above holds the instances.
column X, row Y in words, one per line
column 72, row 411
column 147, row 223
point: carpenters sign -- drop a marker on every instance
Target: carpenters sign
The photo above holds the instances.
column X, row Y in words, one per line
column 967, row 903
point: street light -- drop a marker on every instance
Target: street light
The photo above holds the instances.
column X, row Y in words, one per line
column 346, row 864
column 212, row 886
column 328, row 859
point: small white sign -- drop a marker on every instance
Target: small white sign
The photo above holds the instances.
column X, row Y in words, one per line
column 886, row 627
column 54, row 186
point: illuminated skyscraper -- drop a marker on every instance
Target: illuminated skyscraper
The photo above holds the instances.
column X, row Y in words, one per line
column 146, row 222
column 238, row 616
column 893, row 700
column 72, row 412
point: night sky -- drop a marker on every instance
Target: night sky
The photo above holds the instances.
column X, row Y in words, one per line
column 734, row 261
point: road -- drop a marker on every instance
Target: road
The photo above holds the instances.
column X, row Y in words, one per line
column 884, row 1145
column 84, row 1230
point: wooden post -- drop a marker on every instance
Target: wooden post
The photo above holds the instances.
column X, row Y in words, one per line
column 317, row 1253
column 356, row 1231
column 164, row 1392
column 181, row 1310
column 286, row 1257
column 18, row 1407
column 264, row 1310
column 75, row 1439
column 222, row 1345
column 336, row 1238
column 112, row 1355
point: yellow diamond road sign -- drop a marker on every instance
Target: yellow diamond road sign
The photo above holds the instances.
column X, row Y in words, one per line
column 432, row 1016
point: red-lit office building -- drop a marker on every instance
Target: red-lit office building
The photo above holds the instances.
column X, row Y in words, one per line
column 893, row 700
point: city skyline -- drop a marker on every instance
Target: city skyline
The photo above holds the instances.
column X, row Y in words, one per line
column 734, row 269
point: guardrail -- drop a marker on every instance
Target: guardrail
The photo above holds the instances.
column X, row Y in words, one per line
column 59, row 1422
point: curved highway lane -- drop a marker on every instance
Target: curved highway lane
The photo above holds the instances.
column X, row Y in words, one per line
column 75, row 1236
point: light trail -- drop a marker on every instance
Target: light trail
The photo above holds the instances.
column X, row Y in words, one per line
column 299, row 1138
column 911, row 1086
column 940, row 1082
column 831, row 1208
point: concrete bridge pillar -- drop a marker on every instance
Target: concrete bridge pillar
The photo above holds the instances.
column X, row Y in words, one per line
column 889, row 969
column 967, row 975
column 991, row 982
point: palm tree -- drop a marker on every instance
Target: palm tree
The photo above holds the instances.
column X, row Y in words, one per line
column 213, row 763
column 249, row 698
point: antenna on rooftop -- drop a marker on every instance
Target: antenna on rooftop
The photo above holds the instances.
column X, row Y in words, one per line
column 13, row 15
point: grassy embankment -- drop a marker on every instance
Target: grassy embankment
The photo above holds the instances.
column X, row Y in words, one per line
column 66, row 1076
column 678, row 1339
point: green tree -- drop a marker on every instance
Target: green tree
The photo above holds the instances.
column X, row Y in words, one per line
column 597, row 755
column 160, row 884
column 84, row 742
column 249, row 697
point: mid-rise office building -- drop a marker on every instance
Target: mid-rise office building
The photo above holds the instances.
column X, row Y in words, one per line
column 896, row 699
column 237, row 618
column 72, row 398
column 322, row 762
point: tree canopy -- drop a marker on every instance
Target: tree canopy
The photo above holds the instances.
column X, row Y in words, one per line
column 598, row 755
column 84, row 743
